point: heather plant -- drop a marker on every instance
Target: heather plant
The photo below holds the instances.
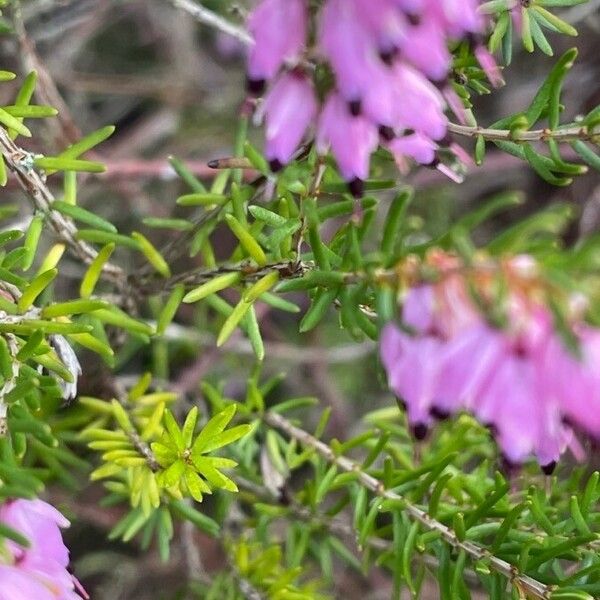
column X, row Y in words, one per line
column 473, row 478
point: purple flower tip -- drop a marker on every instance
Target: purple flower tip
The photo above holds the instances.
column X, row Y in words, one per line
column 39, row 571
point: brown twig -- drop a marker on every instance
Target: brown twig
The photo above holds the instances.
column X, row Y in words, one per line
column 562, row 134
column 19, row 161
column 523, row 582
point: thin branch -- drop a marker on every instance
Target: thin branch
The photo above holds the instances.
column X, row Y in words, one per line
column 334, row 526
column 212, row 19
column 144, row 451
column 524, row 583
column 278, row 350
column 246, row 588
column 563, row 134
column 19, row 161
column 287, row 270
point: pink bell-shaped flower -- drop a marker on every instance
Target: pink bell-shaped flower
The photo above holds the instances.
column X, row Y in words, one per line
column 289, row 108
column 279, row 29
column 351, row 138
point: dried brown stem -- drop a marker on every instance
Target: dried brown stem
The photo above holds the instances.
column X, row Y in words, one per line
column 563, row 134
column 524, row 583
column 19, row 161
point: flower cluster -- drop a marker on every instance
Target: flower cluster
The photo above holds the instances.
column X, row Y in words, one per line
column 517, row 375
column 390, row 61
column 39, row 571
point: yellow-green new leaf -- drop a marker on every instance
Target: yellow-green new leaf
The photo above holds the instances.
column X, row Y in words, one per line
column 24, row 96
column 86, row 143
column 195, row 485
column 84, row 216
column 232, row 321
column 201, row 199
column 106, row 470
column 154, row 423
column 53, row 257
column 121, row 416
column 250, row 245
column 212, row 475
column 173, row 474
column 117, row 317
column 189, row 426
column 14, row 123
column 73, row 307
column 88, row 283
column 56, row 163
column 225, row 438
column 35, row 288
column 164, row 454
column 214, row 426
column 32, row 238
column 89, row 341
column 218, row 283
column 264, row 284
column 3, row 172
column 31, row 111
column 174, row 432
column 152, row 254
column 169, row 310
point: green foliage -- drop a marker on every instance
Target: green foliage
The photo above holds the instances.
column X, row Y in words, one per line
column 535, row 20
column 154, row 465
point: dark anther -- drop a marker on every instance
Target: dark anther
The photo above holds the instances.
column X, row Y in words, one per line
column 409, row 132
column 356, row 187
column 492, row 429
column 256, row 87
column 520, row 350
column 420, row 431
column 284, row 496
column 388, row 56
column 386, row 133
column 213, row 164
column 355, row 107
column 549, row 468
column 275, row 165
column 414, row 19
column 474, row 41
column 401, row 404
column 439, row 413
column 509, row 467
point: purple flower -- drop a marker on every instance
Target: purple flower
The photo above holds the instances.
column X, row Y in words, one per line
column 290, row 107
column 279, row 30
column 349, row 48
column 426, row 48
column 352, row 138
column 42, row 567
column 417, row 146
column 413, row 366
column 421, row 105
column 384, row 57
column 576, row 380
column 15, row 584
column 520, row 380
